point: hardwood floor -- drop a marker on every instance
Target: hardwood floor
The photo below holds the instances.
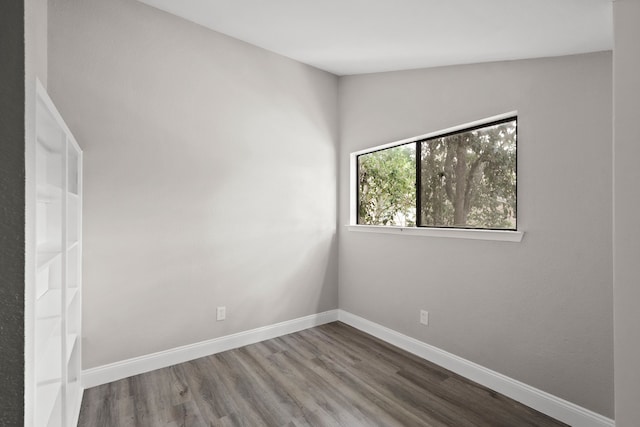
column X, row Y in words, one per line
column 331, row 375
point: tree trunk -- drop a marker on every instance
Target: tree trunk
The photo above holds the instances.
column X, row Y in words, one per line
column 474, row 172
column 460, row 214
column 448, row 174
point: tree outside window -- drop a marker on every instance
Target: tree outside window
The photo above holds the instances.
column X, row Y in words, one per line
column 465, row 179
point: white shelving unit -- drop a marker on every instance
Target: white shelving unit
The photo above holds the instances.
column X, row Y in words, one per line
column 56, row 391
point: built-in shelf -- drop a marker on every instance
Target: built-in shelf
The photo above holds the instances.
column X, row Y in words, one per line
column 45, row 246
column 54, row 391
column 71, row 345
column 71, row 295
column 48, row 304
column 74, row 389
column 46, row 327
column 48, row 193
column 47, row 396
column 44, row 259
column 49, row 368
column 49, row 134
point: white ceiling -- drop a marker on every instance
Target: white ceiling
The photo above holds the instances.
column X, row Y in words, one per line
column 365, row 36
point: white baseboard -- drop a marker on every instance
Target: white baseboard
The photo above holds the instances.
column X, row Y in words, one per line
column 138, row 365
column 539, row 400
column 544, row 402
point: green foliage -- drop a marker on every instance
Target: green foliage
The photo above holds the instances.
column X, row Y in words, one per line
column 386, row 185
column 467, row 180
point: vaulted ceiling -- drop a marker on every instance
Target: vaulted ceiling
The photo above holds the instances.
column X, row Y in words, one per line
column 365, row 36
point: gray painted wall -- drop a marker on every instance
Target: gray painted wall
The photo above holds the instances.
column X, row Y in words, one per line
column 539, row 311
column 626, row 68
column 12, row 197
column 201, row 156
column 210, row 178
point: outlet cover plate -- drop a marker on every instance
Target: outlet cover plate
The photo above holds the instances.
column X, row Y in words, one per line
column 424, row 317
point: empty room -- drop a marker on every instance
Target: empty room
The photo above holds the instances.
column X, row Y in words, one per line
column 320, row 213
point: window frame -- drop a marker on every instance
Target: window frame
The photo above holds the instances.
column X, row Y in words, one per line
column 514, row 235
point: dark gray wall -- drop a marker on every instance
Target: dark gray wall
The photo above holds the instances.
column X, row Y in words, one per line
column 12, row 213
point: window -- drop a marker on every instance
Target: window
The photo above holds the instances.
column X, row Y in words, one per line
column 465, row 178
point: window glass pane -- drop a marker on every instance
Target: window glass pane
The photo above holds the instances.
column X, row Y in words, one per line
column 468, row 179
column 387, row 187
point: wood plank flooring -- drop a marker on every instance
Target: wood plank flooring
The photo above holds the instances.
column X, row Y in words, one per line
column 331, row 375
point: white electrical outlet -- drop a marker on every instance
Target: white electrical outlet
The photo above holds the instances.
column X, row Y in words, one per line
column 424, row 317
column 221, row 313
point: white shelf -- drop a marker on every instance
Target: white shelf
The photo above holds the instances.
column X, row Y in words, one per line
column 48, row 304
column 45, row 328
column 47, row 396
column 49, row 368
column 49, row 246
column 49, row 346
column 54, row 171
column 49, row 134
column 74, row 400
column 71, row 295
column 71, row 344
column 44, row 259
column 48, row 193
column 74, row 391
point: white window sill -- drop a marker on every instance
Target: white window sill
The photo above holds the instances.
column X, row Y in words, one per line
column 456, row 233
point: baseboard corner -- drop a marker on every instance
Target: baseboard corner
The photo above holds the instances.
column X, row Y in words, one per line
column 539, row 400
column 93, row 377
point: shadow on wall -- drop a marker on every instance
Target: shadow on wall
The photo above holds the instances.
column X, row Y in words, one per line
column 210, row 178
column 296, row 278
